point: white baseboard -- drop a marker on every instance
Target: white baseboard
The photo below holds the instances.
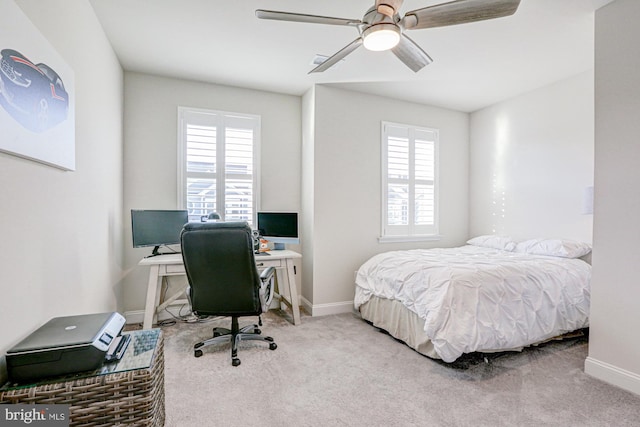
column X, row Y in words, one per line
column 612, row 374
column 327, row 309
column 137, row 316
column 305, row 304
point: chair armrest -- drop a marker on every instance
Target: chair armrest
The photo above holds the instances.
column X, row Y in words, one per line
column 267, row 273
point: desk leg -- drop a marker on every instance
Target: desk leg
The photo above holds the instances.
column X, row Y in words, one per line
column 278, row 292
column 293, row 291
column 155, row 282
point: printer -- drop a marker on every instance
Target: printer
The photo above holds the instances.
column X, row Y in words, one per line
column 64, row 345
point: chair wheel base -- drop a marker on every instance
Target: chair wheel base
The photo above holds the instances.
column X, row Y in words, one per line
column 234, row 336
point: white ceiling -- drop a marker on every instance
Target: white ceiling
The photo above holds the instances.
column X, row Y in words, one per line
column 475, row 65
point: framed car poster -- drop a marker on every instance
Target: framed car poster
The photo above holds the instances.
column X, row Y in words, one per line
column 37, row 114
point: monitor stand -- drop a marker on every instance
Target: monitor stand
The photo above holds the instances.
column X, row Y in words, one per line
column 278, row 246
column 155, row 252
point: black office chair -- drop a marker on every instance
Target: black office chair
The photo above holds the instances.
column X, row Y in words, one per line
column 224, row 280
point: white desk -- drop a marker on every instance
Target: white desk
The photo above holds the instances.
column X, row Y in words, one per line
column 162, row 266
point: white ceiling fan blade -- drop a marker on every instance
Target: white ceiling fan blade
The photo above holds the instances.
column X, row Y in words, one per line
column 332, row 60
column 458, row 12
column 301, row 17
column 411, row 54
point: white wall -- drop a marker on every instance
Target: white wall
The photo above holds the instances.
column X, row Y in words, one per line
column 614, row 351
column 307, row 184
column 531, row 160
column 62, row 231
column 343, row 140
column 150, row 172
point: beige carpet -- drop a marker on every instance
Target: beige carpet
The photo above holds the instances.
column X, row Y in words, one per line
column 340, row 371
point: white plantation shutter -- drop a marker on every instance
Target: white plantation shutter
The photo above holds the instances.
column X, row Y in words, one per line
column 239, row 174
column 397, row 172
column 409, row 190
column 217, row 168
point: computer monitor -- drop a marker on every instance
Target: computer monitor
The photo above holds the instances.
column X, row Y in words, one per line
column 278, row 227
column 157, row 227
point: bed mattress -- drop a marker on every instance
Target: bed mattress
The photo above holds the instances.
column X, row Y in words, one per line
column 447, row 302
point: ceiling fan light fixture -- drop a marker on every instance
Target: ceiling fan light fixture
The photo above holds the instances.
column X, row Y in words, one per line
column 381, row 37
column 382, row 27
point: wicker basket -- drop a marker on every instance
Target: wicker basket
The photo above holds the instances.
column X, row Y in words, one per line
column 134, row 397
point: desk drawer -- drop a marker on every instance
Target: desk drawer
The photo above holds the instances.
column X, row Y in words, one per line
column 175, row 269
column 262, row 263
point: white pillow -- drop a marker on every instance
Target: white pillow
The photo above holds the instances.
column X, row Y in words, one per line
column 554, row 247
column 503, row 243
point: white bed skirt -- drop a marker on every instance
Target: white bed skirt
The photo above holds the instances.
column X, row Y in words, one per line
column 403, row 324
column 399, row 322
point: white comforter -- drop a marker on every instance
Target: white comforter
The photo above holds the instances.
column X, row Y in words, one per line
column 479, row 299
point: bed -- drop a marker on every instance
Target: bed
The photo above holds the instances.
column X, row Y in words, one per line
column 492, row 294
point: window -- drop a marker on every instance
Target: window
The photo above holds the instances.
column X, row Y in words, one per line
column 409, row 188
column 218, row 156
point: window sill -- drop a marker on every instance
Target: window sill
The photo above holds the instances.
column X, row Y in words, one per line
column 401, row 239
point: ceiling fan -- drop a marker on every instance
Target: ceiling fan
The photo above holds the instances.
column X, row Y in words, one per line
column 382, row 28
